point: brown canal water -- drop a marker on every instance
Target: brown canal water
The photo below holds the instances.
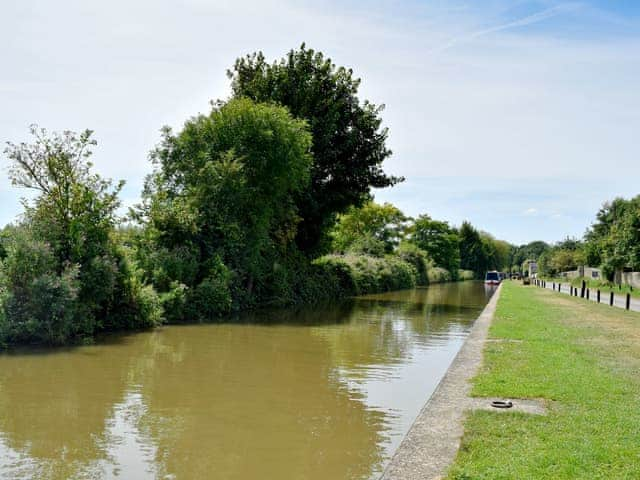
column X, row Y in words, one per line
column 324, row 393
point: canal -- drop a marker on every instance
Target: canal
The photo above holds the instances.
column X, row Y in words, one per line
column 322, row 393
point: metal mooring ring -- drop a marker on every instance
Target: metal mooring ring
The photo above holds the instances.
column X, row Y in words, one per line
column 501, row 404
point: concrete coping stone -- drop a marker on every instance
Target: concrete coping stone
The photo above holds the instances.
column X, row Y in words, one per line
column 432, row 442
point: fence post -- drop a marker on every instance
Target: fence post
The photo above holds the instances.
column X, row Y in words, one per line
column 587, row 294
column 628, row 305
column 584, row 286
column 611, row 299
column 598, row 295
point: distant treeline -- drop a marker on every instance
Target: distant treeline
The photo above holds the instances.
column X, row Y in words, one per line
column 263, row 201
column 612, row 243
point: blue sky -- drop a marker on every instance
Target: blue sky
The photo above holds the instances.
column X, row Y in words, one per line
column 520, row 116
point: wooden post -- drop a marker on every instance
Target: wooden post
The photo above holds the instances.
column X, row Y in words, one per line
column 611, row 299
column 587, row 294
column 598, row 295
column 628, row 305
column 584, row 286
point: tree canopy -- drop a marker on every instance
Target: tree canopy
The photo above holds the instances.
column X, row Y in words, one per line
column 349, row 144
column 613, row 241
column 220, row 206
column 439, row 240
column 372, row 222
column 65, row 277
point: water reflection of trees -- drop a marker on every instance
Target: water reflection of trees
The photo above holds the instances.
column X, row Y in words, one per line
column 383, row 328
column 272, row 408
column 253, row 399
column 225, row 400
column 53, row 406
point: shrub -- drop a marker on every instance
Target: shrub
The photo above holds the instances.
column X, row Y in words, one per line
column 211, row 298
column 416, row 257
column 362, row 274
column 173, row 302
column 333, row 275
column 438, row 275
column 466, row 275
column 39, row 305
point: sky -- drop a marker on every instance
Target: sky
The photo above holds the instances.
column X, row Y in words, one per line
column 521, row 117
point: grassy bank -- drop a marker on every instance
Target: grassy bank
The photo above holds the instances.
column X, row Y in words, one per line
column 582, row 359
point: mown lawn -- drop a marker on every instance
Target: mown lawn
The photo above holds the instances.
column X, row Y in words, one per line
column 583, row 359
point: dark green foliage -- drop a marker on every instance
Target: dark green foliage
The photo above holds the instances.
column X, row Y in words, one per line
column 417, row 258
column 348, row 141
column 39, row 303
column 472, row 253
column 562, row 257
column 439, row 240
column 65, row 277
column 219, row 210
column 211, row 298
column 530, row 251
column 613, row 241
column 480, row 252
column 362, row 274
column 371, row 229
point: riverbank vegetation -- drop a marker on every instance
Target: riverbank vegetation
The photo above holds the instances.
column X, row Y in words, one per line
column 264, row 201
column 582, row 360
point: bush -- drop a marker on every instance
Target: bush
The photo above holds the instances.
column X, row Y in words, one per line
column 333, row 275
column 39, row 305
column 367, row 245
column 211, row 298
column 362, row 274
column 416, row 257
column 466, row 275
column 438, row 275
column 173, row 302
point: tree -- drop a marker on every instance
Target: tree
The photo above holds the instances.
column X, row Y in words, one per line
column 439, row 240
column 220, row 207
column 530, row 251
column 480, row 251
column 380, row 223
column 472, row 254
column 613, row 241
column 349, row 144
column 69, row 224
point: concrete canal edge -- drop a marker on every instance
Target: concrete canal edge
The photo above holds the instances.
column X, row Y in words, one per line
column 433, row 440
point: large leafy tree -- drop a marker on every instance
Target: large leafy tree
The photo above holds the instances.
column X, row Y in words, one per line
column 530, row 251
column 349, row 144
column 472, row 254
column 384, row 224
column 439, row 240
column 220, row 205
column 613, row 241
column 480, row 251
